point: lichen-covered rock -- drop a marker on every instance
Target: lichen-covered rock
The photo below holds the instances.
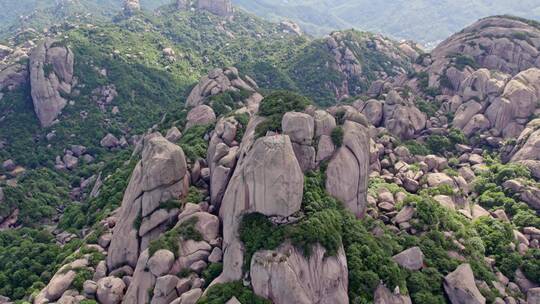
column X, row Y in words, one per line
column 461, row 288
column 51, row 73
column 347, row 173
column 158, row 177
column 287, row 276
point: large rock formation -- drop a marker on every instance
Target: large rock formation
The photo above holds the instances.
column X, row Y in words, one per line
column 219, row 81
column 267, row 180
column 461, row 287
column 286, row 276
column 51, row 74
column 347, row 173
column 527, row 148
column 161, row 175
column 402, row 118
column 131, row 6
column 13, row 76
column 155, row 277
column 216, row 7
column 496, row 43
column 384, row 296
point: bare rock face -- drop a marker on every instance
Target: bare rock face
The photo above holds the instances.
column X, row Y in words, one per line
column 158, row 177
column 291, row 27
column 216, row 7
column 287, row 276
column 131, row 6
column 384, row 296
column 13, row 76
column 412, row 258
column 110, row 290
column 495, row 43
column 268, row 180
column 347, row 173
column 220, row 81
column 60, row 282
column 527, row 148
column 51, row 73
column 200, row 115
column 517, row 102
column 461, row 287
column 401, row 118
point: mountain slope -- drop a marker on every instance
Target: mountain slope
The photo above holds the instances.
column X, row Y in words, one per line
column 427, row 22
column 186, row 153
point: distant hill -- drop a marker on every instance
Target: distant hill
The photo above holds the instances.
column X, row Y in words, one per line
column 425, row 21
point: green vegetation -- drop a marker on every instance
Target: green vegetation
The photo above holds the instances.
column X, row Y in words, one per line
column 428, row 107
column 193, row 142
column 194, row 196
column 274, row 106
column 221, row 293
column 29, row 260
column 461, row 61
column 492, row 196
column 170, row 240
column 211, row 272
column 224, row 103
column 337, row 136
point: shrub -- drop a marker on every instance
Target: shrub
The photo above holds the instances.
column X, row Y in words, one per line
column 221, row 293
column 194, row 196
column 281, row 102
column 337, row 136
column 257, row 233
column 193, row 142
column 430, row 108
column 82, row 275
column 461, row 61
column 171, row 239
column 531, row 265
column 212, row 272
column 274, row 106
column 439, row 144
column 416, row 147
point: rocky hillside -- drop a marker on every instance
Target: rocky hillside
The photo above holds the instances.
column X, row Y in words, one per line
column 399, row 18
column 201, row 155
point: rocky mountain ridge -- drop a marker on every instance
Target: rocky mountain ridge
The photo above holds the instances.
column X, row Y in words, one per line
column 400, row 190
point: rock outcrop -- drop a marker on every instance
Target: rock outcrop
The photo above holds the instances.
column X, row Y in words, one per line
column 505, row 44
column 13, row 76
column 51, row 75
column 347, row 173
column 268, row 180
column 131, row 6
column 461, row 287
column 384, row 296
column 287, row 276
column 217, row 7
column 160, row 176
column 220, row 81
column 402, row 118
column 527, row 148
